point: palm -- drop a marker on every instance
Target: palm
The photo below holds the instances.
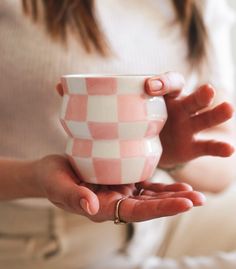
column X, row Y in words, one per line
column 185, row 120
column 63, row 188
column 157, row 200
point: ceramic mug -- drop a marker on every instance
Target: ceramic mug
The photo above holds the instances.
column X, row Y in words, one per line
column 113, row 127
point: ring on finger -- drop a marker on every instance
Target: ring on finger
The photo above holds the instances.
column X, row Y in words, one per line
column 140, row 192
column 117, row 219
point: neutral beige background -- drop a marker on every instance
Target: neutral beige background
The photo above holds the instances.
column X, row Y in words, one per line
column 233, row 5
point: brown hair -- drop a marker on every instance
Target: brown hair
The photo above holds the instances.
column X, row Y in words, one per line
column 79, row 16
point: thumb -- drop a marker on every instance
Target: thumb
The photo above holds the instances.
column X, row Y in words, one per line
column 170, row 83
column 74, row 197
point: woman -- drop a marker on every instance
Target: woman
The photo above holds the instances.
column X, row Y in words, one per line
column 46, row 236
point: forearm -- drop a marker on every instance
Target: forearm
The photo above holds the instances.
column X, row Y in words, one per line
column 211, row 174
column 17, row 179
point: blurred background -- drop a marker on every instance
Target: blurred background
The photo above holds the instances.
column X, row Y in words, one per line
column 233, row 5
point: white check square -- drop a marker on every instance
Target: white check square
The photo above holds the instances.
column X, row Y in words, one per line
column 106, row 149
column 153, row 146
column 85, row 168
column 69, row 146
column 132, row 130
column 79, row 129
column 128, row 173
column 102, row 108
column 76, row 86
column 156, row 108
column 128, row 85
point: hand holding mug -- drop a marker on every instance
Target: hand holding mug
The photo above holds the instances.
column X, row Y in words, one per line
column 57, row 181
column 157, row 200
column 187, row 116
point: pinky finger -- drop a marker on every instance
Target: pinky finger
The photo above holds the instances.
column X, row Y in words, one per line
column 212, row 148
column 160, row 187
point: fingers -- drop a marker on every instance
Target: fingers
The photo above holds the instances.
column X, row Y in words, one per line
column 212, row 148
column 132, row 210
column 145, row 207
column 213, row 117
column 197, row 198
column 199, row 99
column 160, row 187
column 170, row 83
column 59, row 89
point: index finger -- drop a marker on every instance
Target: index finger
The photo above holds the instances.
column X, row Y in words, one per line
column 170, row 83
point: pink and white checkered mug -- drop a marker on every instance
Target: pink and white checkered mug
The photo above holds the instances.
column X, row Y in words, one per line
column 113, row 127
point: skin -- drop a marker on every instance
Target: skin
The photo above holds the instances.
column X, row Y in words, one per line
column 185, row 120
column 64, row 189
column 52, row 177
column 197, row 128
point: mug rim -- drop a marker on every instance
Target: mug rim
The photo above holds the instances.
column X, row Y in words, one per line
column 96, row 75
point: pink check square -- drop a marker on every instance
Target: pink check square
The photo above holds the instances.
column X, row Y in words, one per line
column 103, row 130
column 82, row 148
column 131, row 108
column 101, row 86
column 132, row 148
column 77, row 107
column 107, row 171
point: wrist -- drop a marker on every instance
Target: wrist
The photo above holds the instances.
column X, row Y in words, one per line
column 17, row 179
column 30, row 183
column 174, row 168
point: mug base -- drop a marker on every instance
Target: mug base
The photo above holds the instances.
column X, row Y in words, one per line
column 114, row 173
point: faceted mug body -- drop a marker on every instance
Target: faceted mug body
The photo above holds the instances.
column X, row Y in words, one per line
column 113, row 127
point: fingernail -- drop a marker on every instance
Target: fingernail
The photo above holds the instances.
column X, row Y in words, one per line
column 155, row 85
column 202, row 199
column 85, row 205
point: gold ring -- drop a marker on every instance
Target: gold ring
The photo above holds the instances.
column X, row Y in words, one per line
column 140, row 192
column 117, row 219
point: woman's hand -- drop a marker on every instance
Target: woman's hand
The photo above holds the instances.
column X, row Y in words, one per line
column 187, row 116
column 57, row 182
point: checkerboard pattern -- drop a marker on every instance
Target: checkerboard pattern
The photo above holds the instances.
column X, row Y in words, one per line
column 113, row 126
column 116, row 161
